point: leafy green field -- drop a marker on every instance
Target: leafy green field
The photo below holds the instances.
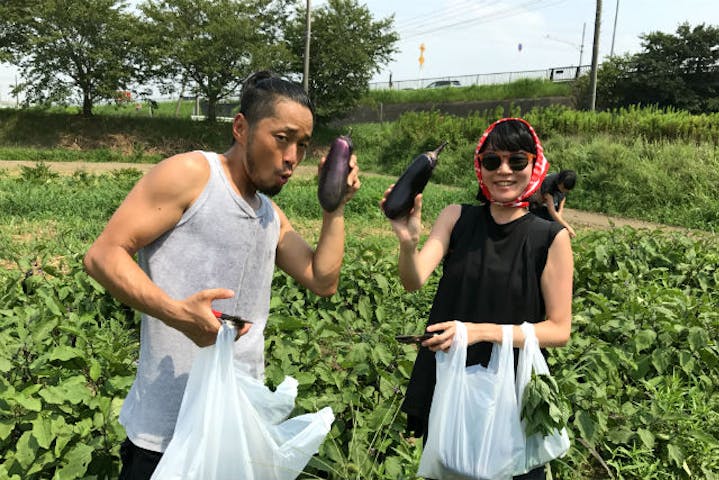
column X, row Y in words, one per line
column 641, row 371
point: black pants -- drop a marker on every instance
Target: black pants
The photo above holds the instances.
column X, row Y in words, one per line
column 137, row 463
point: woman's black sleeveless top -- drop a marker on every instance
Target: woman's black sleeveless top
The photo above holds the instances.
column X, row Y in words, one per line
column 491, row 273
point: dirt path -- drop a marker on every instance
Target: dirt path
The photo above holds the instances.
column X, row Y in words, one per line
column 578, row 219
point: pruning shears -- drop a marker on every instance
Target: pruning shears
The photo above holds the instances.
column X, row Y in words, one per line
column 239, row 322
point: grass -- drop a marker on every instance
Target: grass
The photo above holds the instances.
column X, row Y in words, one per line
column 525, row 88
column 39, row 210
column 638, row 163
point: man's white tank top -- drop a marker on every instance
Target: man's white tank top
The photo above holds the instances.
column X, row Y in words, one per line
column 220, row 242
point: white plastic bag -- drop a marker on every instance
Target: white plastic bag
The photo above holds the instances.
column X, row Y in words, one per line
column 231, row 426
column 539, row 449
column 474, row 428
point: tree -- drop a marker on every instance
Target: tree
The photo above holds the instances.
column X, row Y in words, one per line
column 347, row 47
column 14, row 14
column 213, row 44
column 679, row 71
column 71, row 47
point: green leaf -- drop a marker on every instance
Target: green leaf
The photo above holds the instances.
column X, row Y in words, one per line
column 6, row 427
column 675, row 454
column 697, row 338
column 382, row 282
column 587, row 427
column 95, row 370
column 42, row 431
column 644, row 339
column 364, row 308
column 75, row 462
column 290, row 324
column 305, row 378
column 5, row 365
column 32, row 404
column 43, row 330
column 75, row 389
column 620, row 435
column 53, row 395
column 647, row 437
column 52, row 304
column 382, row 355
column 26, row 449
column 65, row 353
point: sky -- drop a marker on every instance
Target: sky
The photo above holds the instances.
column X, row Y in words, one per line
column 466, row 37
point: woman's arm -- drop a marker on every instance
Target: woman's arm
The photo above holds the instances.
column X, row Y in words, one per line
column 415, row 266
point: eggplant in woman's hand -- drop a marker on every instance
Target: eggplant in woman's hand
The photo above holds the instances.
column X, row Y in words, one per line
column 400, row 200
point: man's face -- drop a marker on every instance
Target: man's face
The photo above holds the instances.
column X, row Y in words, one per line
column 276, row 145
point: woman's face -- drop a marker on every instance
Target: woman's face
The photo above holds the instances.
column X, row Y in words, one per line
column 505, row 184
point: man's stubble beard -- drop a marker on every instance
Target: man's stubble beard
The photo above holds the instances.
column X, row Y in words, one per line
column 251, row 163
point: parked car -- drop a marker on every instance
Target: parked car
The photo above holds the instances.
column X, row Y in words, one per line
column 444, row 83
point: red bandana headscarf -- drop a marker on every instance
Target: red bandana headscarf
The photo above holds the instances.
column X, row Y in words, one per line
column 539, row 171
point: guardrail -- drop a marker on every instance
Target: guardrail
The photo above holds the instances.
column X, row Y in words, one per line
column 555, row 74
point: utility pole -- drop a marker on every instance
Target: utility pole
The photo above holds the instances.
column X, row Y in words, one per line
column 581, row 50
column 614, row 31
column 306, row 78
column 595, row 58
column 17, row 94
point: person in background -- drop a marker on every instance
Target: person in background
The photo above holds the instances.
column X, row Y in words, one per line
column 501, row 265
column 207, row 236
column 549, row 203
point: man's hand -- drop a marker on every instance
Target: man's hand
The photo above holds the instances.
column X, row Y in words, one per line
column 196, row 319
column 353, row 181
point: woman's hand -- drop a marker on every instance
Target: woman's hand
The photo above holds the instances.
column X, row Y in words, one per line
column 407, row 228
column 444, row 335
column 476, row 332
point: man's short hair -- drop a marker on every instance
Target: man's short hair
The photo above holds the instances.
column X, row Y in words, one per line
column 568, row 178
column 261, row 91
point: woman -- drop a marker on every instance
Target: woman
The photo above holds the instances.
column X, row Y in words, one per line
column 501, row 265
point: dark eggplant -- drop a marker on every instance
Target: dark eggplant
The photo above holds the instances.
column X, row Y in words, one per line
column 332, row 184
column 412, row 182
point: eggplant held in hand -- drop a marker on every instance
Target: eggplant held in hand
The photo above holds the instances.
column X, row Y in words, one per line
column 412, row 182
column 332, row 185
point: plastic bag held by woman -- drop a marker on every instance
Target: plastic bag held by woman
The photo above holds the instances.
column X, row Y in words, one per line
column 474, row 427
column 539, row 449
column 231, row 426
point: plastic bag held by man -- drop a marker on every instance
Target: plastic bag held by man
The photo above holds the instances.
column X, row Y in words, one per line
column 231, row 426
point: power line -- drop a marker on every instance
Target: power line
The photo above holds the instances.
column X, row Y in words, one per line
column 482, row 18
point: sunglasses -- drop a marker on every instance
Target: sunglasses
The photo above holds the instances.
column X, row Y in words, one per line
column 517, row 161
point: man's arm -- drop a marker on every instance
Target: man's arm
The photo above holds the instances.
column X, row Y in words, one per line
column 152, row 207
column 556, row 215
column 319, row 269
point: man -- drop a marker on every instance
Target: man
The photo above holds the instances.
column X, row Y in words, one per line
column 553, row 194
column 207, row 237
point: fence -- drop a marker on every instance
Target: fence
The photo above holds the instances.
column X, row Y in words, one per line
column 556, row 74
column 225, row 109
